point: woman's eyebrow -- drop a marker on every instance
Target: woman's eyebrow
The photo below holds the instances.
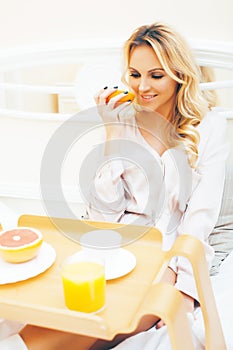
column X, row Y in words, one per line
column 155, row 69
column 151, row 70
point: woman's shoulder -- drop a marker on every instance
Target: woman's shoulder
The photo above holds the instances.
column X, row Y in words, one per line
column 213, row 120
column 213, row 132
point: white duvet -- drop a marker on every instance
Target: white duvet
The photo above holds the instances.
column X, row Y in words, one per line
column 223, row 290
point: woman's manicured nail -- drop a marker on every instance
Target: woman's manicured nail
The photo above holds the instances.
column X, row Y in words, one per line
column 105, row 87
column 125, row 92
column 115, row 87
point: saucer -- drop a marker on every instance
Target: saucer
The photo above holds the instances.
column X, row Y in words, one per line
column 120, row 264
column 11, row 273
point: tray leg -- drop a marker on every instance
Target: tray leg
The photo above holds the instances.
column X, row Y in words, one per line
column 191, row 248
column 166, row 302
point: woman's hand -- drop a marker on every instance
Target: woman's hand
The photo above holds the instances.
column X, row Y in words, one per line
column 170, row 277
column 189, row 302
column 189, row 306
column 110, row 111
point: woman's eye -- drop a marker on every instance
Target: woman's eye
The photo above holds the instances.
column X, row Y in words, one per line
column 157, row 76
column 134, row 75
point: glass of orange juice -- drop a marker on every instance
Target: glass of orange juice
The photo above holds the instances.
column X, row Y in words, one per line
column 84, row 283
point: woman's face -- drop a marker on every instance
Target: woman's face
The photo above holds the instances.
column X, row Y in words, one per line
column 153, row 87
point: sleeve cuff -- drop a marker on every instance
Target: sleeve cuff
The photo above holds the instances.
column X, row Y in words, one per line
column 173, row 264
column 186, row 284
column 185, row 281
column 9, row 327
column 12, row 343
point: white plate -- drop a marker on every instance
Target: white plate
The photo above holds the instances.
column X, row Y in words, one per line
column 117, row 264
column 11, row 273
column 120, row 264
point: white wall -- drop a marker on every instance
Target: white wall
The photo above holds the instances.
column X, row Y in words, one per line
column 32, row 22
column 24, row 22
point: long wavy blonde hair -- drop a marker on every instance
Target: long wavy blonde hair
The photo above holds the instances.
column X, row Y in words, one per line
column 178, row 62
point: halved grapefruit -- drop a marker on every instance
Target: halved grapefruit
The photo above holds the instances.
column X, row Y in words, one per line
column 20, row 244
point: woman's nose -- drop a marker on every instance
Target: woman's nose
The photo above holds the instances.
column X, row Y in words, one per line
column 144, row 84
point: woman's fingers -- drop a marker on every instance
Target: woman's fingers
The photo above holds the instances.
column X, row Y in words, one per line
column 159, row 324
column 110, row 109
column 103, row 97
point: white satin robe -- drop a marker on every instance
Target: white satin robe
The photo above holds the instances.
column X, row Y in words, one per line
column 138, row 186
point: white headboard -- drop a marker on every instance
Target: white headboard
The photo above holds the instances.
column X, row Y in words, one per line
column 16, row 61
column 38, row 92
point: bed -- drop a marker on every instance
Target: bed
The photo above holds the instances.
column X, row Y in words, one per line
column 41, row 87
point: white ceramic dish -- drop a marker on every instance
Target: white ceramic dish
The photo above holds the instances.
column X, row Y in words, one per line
column 119, row 264
column 11, row 273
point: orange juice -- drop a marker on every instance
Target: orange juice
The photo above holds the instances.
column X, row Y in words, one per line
column 84, row 286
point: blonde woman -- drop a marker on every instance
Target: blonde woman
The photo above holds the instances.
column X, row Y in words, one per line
column 170, row 118
column 173, row 175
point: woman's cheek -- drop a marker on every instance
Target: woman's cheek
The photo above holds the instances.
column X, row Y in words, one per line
column 132, row 83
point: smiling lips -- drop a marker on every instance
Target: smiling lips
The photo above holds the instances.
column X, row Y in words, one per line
column 148, row 97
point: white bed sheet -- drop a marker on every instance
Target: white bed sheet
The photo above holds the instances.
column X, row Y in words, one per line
column 223, row 291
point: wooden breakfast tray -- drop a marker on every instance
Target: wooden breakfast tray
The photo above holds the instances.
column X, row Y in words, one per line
column 39, row 300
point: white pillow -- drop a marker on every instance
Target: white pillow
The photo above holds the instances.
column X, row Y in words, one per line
column 222, row 236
